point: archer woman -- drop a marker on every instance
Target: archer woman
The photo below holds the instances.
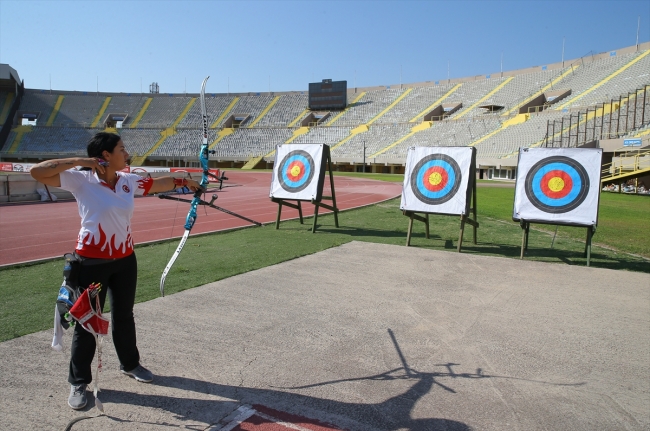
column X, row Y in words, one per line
column 105, row 197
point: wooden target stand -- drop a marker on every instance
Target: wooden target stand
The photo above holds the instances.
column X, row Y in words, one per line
column 285, row 202
column 525, row 226
column 464, row 218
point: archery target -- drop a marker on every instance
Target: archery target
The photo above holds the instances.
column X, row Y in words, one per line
column 560, row 185
column 298, row 172
column 436, row 180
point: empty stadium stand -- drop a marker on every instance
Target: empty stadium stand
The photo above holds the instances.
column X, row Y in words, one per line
column 600, row 96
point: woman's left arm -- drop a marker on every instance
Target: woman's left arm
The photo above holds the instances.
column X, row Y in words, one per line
column 165, row 184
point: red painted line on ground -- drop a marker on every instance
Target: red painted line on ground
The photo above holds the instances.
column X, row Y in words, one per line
column 261, row 418
column 36, row 231
column 310, row 424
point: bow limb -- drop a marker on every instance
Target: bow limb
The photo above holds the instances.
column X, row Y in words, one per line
column 192, row 214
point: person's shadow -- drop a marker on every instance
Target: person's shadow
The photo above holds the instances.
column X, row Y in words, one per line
column 391, row 414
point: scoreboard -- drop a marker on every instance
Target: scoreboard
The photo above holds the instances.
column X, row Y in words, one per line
column 328, row 94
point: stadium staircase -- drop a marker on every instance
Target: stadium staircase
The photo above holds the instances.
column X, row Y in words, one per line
column 225, row 112
column 422, row 126
column 365, row 127
column 20, row 132
column 298, row 132
column 6, row 107
column 486, row 97
column 55, row 111
column 101, row 112
column 141, row 113
column 626, row 166
column 518, row 119
column 170, row 131
column 252, row 162
column 222, row 134
column 602, row 82
column 540, row 92
column 264, row 112
column 434, row 104
column 298, row 118
column 340, row 114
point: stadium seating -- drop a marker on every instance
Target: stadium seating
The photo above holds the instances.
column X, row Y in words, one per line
column 214, row 107
column 415, row 103
column 371, row 104
column 284, row 111
column 445, row 134
column 324, row 135
column 163, row 111
column 586, row 76
column 377, row 137
column 247, row 143
column 385, row 121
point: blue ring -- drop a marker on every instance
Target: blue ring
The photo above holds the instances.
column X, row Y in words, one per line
column 451, row 179
column 454, row 178
column 559, row 166
column 307, row 161
column 285, row 165
column 572, row 200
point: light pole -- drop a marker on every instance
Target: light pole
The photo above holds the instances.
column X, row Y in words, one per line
column 364, row 157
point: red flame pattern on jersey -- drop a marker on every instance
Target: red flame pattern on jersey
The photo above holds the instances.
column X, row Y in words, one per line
column 145, row 185
column 102, row 247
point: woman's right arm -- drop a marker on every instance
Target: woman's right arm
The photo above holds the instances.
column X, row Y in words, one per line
column 47, row 172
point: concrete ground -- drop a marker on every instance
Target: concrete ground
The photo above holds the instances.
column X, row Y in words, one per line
column 370, row 337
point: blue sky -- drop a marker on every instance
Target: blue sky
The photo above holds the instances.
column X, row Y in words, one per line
column 283, row 45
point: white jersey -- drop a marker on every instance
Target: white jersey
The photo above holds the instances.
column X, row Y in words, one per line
column 105, row 212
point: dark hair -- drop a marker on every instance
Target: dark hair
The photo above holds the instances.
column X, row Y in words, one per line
column 101, row 142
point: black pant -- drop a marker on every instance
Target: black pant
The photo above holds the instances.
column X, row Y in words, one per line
column 119, row 278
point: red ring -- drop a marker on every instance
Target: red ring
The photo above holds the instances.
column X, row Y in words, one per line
column 443, row 183
column 556, row 173
column 300, row 175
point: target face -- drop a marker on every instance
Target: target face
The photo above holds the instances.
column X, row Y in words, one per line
column 296, row 171
column 435, row 179
column 299, row 172
column 557, row 184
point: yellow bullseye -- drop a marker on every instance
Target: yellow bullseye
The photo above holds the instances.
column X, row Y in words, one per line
column 435, row 178
column 556, row 184
column 295, row 171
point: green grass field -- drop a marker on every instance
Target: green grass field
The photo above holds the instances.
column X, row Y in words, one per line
column 27, row 293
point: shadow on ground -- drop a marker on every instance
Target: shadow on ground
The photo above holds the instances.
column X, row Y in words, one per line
column 391, row 414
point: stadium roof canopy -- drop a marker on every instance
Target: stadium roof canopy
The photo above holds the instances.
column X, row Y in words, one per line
column 8, row 77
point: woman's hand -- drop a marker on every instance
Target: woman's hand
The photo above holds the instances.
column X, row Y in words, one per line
column 193, row 185
column 93, row 163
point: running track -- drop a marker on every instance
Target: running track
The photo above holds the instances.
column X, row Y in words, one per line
column 36, row 231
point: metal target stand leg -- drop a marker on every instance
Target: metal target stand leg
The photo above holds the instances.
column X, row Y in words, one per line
column 590, row 234
column 462, row 231
column 525, row 226
column 281, row 202
column 332, row 198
